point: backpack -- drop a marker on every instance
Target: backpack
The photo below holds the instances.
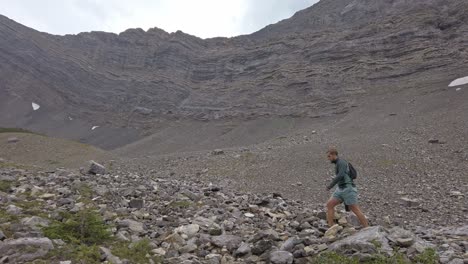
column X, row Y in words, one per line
column 352, row 171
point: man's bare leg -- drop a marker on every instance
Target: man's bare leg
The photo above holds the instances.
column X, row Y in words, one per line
column 331, row 211
column 357, row 211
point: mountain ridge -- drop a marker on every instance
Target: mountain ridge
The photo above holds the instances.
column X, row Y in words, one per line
column 137, row 79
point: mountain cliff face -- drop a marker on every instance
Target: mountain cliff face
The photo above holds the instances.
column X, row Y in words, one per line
column 318, row 63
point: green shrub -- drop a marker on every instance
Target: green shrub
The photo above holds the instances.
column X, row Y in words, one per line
column 5, row 186
column 429, row 256
column 335, row 258
column 83, row 254
column 331, row 257
column 134, row 252
column 85, row 227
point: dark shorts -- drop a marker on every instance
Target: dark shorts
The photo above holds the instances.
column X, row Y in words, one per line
column 348, row 195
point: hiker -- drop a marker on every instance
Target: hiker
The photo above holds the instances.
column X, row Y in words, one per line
column 345, row 193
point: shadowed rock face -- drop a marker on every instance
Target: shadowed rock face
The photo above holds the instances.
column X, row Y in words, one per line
column 310, row 65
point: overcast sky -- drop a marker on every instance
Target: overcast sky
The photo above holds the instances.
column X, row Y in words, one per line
column 203, row 18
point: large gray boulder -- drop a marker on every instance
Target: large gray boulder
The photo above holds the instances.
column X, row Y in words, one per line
column 96, row 168
column 25, row 249
column 281, row 257
column 369, row 240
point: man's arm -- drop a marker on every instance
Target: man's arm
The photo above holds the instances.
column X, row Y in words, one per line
column 342, row 167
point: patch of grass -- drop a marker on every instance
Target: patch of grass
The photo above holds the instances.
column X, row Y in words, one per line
column 376, row 244
column 135, row 252
column 397, row 258
column 32, row 208
column 85, row 227
column 53, row 162
column 180, row 204
column 77, row 254
column 14, row 130
column 11, row 165
column 86, row 193
column 387, row 163
column 5, row 186
column 429, row 256
column 334, row 258
column 5, row 217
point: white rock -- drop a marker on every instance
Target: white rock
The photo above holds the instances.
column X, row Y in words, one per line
column 188, row 230
column 249, row 215
column 35, row 106
column 332, row 231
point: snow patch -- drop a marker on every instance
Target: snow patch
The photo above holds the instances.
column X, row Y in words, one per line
column 458, row 82
column 458, row 89
column 70, row 118
column 35, row 106
column 94, row 127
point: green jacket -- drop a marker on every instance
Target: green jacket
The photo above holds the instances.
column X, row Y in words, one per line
column 342, row 177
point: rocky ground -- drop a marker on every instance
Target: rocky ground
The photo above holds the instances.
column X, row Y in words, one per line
column 66, row 216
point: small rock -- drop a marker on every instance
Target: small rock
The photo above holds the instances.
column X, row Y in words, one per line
column 456, row 194
column 107, row 255
column 410, row 202
column 13, row 209
column 231, row 242
column 405, row 242
column 342, row 221
column 136, row 203
column 244, row 249
column 96, row 168
column 13, row 140
column 457, row 261
column 35, row 222
column 333, row 231
column 159, row 252
column 188, row 230
column 132, row 225
column 47, row 196
column 322, row 247
column 249, row 215
column 261, row 246
column 217, row 152
column 281, row 257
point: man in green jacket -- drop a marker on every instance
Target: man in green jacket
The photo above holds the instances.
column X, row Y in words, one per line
column 345, row 193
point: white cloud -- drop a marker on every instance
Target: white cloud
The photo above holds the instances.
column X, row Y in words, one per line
column 203, row 18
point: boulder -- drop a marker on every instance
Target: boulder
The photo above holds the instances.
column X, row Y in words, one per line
column 188, row 230
column 25, row 249
column 136, row 203
column 333, row 231
column 35, row 222
column 13, row 140
column 96, row 168
column 231, row 242
column 281, row 257
column 244, row 249
column 132, row 225
column 368, row 240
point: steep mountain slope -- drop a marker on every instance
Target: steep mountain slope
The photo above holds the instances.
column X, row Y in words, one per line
column 321, row 62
